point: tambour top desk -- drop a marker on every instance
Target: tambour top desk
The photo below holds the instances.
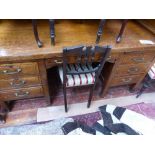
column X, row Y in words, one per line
column 23, row 65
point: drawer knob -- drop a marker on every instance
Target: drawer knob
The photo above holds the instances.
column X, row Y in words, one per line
column 138, row 59
column 12, row 72
column 20, row 94
column 133, row 70
column 127, row 80
column 58, row 61
column 17, row 84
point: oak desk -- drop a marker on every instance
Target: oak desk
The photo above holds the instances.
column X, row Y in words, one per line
column 23, row 65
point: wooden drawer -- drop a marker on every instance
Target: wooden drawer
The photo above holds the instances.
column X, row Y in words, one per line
column 137, row 57
column 53, row 62
column 16, row 94
column 72, row 59
column 9, row 70
column 20, row 82
column 116, row 81
column 123, row 70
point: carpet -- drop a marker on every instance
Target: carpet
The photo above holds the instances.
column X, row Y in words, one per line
column 53, row 127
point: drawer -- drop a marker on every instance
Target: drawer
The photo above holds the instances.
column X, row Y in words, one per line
column 123, row 70
column 9, row 70
column 137, row 57
column 53, row 62
column 16, row 94
column 72, row 59
column 116, row 81
column 20, row 82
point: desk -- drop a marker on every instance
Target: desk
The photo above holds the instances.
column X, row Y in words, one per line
column 127, row 64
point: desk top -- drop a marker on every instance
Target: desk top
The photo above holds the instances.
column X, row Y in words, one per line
column 17, row 40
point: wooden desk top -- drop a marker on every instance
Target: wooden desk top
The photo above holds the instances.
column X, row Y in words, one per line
column 17, row 39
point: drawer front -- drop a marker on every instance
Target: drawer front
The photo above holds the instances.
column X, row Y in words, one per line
column 123, row 70
column 20, row 82
column 53, row 62
column 72, row 59
column 9, row 70
column 16, row 94
column 116, row 81
column 137, row 57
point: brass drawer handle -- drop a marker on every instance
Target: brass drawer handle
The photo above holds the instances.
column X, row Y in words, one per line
column 20, row 83
column 133, row 69
column 12, row 72
column 138, row 59
column 109, row 58
column 127, row 80
column 22, row 94
column 58, row 61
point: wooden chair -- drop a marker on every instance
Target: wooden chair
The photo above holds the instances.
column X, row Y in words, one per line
column 100, row 30
column 35, row 30
column 52, row 32
column 84, row 71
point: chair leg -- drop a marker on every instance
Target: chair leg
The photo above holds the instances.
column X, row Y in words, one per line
column 35, row 30
column 52, row 31
column 65, row 98
column 146, row 84
column 90, row 95
column 119, row 37
column 100, row 30
column 141, row 91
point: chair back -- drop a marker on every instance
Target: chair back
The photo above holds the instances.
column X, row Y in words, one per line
column 85, row 58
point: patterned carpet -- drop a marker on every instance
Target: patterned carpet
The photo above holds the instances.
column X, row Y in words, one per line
column 53, row 127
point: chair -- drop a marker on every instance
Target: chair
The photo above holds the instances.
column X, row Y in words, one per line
column 84, row 71
column 100, row 30
column 35, row 31
column 52, row 32
column 148, row 81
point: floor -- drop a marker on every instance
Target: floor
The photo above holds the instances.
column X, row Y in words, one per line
column 26, row 111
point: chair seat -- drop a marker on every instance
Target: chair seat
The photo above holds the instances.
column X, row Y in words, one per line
column 77, row 80
column 151, row 72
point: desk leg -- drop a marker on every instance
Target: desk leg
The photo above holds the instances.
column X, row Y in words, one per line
column 44, row 80
column 35, row 30
column 3, row 112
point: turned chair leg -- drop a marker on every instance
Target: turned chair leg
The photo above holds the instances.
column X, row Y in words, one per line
column 35, row 30
column 119, row 37
column 100, row 30
column 52, row 31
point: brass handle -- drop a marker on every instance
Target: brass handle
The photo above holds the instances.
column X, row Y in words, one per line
column 127, row 80
column 138, row 59
column 22, row 94
column 12, row 72
column 109, row 58
column 58, row 61
column 133, row 69
column 21, row 83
